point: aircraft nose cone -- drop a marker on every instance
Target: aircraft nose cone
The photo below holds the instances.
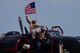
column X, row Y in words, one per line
column 26, row 46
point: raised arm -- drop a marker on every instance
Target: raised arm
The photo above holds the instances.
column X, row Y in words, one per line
column 27, row 19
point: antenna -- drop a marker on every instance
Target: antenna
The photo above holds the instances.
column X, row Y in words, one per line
column 20, row 23
column 26, row 30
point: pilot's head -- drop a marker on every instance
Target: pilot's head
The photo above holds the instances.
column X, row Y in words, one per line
column 33, row 21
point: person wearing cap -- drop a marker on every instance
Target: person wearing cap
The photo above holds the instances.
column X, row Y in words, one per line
column 32, row 25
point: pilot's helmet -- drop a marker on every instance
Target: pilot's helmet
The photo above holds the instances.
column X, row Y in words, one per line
column 33, row 21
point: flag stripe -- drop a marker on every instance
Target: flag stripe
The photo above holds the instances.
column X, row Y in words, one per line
column 30, row 9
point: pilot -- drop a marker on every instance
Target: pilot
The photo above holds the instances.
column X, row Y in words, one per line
column 32, row 25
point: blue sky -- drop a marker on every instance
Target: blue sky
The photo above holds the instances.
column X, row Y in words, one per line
column 65, row 13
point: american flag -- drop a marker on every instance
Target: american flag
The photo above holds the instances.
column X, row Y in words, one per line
column 30, row 8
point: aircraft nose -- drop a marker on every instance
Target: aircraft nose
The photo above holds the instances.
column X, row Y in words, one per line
column 26, row 46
